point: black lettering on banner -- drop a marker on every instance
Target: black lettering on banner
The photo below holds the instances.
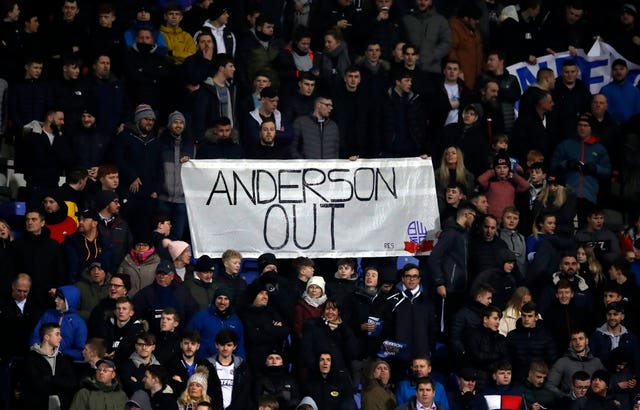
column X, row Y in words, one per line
column 214, row 190
column 259, row 189
column 333, row 214
column 373, row 183
column 379, row 177
column 282, row 186
column 307, row 183
column 265, row 227
column 330, row 176
column 295, row 228
column 238, row 181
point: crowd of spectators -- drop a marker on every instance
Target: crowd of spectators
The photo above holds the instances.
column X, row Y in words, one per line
column 527, row 301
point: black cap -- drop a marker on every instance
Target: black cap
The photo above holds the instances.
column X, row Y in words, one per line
column 268, row 92
column 619, row 61
column 617, row 306
column 205, row 264
column 89, row 213
column 602, row 375
column 468, row 373
column 165, row 267
column 265, row 260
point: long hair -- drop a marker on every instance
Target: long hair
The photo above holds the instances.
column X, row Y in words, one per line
column 517, row 299
column 442, row 174
column 559, row 198
column 537, row 223
column 593, row 265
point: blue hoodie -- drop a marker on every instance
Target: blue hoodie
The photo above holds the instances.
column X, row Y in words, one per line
column 72, row 327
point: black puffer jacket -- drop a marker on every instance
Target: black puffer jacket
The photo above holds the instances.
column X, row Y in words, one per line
column 317, row 337
column 527, row 344
column 276, row 381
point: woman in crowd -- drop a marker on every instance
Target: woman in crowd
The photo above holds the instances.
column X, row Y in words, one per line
column 591, row 271
column 511, row 314
column 140, row 264
column 452, row 170
column 543, row 227
column 196, row 390
column 558, row 200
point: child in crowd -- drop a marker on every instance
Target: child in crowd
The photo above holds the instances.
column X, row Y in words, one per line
column 515, row 240
column 501, row 184
column 500, row 142
column 344, row 281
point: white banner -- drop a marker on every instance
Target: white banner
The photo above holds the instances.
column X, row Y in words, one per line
column 595, row 67
column 315, row 208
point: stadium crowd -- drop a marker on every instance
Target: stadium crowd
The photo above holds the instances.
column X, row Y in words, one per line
column 528, row 300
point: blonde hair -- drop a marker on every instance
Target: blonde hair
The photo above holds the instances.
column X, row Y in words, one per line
column 540, row 218
column 231, row 254
column 558, row 201
column 3, row 222
column 442, row 174
column 186, row 400
column 517, row 298
column 594, row 266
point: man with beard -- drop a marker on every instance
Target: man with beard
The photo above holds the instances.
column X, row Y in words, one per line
column 46, row 155
column 492, row 121
column 267, row 147
column 612, row 334
column 622, row 95
column 568, row 270
column 184, row 366
column 138, row 158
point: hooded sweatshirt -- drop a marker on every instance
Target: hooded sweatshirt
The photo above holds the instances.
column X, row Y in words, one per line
column 72, row 327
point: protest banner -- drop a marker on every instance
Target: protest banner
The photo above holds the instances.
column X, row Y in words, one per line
column 315, row 208
column 595, row 67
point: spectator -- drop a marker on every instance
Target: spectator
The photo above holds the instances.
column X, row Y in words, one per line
column 200, row 283
column 86, row 246
column 93, row 288
column 533, row 389
column 327, row 379
column 425, row 395
column 20, row 313
column 112, row 225
column 485, row 345
column 623, row 97
column 512, row 312
column 316, row 136
column 184, row 366
column 229, row 371
column 103, row 389
column 134, row 369
column 420, row 368
column 140, row 264
column 196, row 390
column 435, row 44
column 376, row 391
column 466, row 42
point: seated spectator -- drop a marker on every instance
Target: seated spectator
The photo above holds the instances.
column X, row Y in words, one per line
column 93, row 287
column 232, row 280
column 56, row 217
column 465, row 394
column 578, row 357
column 185, row 365
column 72, row 327
column 511, row 313
column 469, row 317
column 103, row 389
column 140, row 264
column 502, row 393
column 327, row 379
column 196, row 390
column 200, row 283
column 118, row 286
column 112, row 225
column 533, row 388
column 406, row 388
column 424, row 396
column 344, row 280
column 274, row 380
column 49, row 377
column 220, row 315
column 164, row 292
column 612, row 334
column 485, row 345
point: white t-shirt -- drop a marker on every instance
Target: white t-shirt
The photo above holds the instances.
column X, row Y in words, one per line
column 225, row 374
column 454, row 94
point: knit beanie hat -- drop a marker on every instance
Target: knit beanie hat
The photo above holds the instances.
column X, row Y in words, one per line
column 318, row 281
column 502, row 159
column 176, row 115
column 222, row 291
column 104, row 198
column 176, row 248
column 216, row 10
column 602, row 375
column 200, row 376
column 143, row 111
column 265, row 260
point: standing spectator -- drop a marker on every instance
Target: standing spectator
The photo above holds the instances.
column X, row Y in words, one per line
column 225, row 39
column 20, row 313
column 316, row 136
column 467, row 135
column 30, row 97
column 433, row 44
column 93, row 288
column 120, row 332
column 176, row 149
column 326, row 380
column 333, row 62
column 140, row 264
column 138, row 157
column 485, row 246
column 485, row 345
column 110, row 96
column 133, row 370
column 200, row 283
column 164, row 292
column 112, row 226
column 403, row 125
column 49, row 376
column 520, row 32
column 508, row 86
column 613, row 335
column 231, row 279
column 118, row 286
column 571, row 98
column 533, row 389
column 230, row 373
column 179, row 43
column 86, row 246
column 56, row 217
column 466, row 44
column 468, row 318
column 155, row 382
column 623, row 97
column 504, row 278
column 534, row 129
column 605, row 243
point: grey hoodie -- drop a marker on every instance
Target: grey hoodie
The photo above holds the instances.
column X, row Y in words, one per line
column 51, row 359
column 309, row 401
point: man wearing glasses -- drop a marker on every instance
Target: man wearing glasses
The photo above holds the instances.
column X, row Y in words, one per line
column 102, row 390
column 134, row 368
column 315, row 136
column 410, row 319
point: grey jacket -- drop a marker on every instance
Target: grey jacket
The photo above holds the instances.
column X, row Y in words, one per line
column 559, row 379
column 313, row 139
column 430, row 32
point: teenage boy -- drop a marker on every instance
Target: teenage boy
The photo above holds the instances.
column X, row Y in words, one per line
column 230, row 278
column 230, row 379
column 344, row 280
column 502, row 394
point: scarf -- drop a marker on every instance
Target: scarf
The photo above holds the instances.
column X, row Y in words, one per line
column 314, row 302
column 332, row 325
column 140, row 258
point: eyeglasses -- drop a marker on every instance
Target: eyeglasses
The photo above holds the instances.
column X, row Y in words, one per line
column 581, row 387
column 328, row 105
column 412, row 277
column 115, row 285
column 103, row 370
column 144, row 344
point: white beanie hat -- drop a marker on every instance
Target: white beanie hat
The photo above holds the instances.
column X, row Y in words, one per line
column 318, row 281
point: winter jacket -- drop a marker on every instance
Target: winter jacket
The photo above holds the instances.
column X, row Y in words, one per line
column 238, row 287
column 516, row 244
column 314, row 139
column 406, row 390
column 483, row 348
column 466, row 47
column 448, row 262
column 403, row 125
column 91, row 294
column 241, row 393
column 470, row 140
column 559, row 378
column 98, row 396
column 304, row 311
column 173, row 148
column 602, row 341
column 584, row 182
column 332, row 392
column 47, row 375
column 117, row 230
column 207, row 107
column 112, row 104
column 606, row 244
column 317, row 337
column 132, row 372
column 21, row 323
column 339, row 289
column 501, row 193
column 504, row 283
column 44, row 161
column 209, row 322
column 146, row 74
column 483, row 254
column 541, row 395
column 430, row 32
column 81, row 253
column 72, row 327
column 139, row 157
column 214, row 147
column 464, row 321
column 201, row 292
column 141, row 275
column 569, row 103
column 378, row 397
column 527, row 344
column 264, row 335
column 153, row 298
column 623, row 100
column 179, row 42
column 276, row 381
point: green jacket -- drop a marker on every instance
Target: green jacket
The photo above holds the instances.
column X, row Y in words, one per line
column 97, row 396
